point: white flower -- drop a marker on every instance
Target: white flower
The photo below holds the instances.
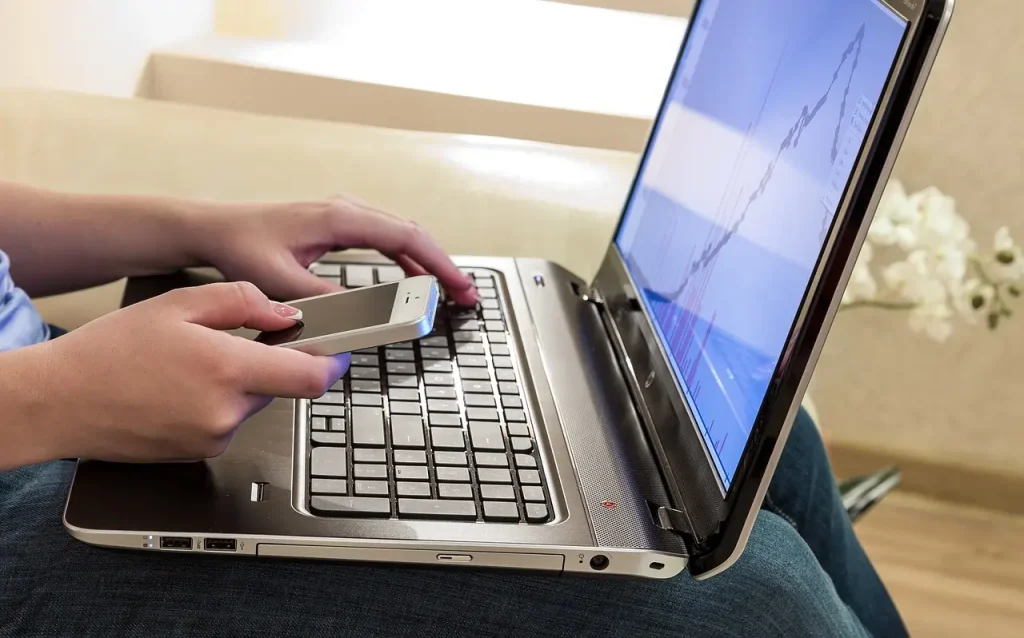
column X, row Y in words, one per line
column 1006, row 250
column 932, row 319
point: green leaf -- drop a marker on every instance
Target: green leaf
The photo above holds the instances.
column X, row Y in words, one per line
column 1014, row 290
column 977, row 301
column 1005, row 256
column 993, row 320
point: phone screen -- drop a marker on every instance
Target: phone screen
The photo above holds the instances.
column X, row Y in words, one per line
column 342, row 312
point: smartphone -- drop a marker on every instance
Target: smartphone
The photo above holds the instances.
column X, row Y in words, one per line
column 362, row 318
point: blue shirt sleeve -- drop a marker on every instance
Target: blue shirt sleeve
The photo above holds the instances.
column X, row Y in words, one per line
column 20, row 323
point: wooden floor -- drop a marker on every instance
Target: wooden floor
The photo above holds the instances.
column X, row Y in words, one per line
column 952, row 571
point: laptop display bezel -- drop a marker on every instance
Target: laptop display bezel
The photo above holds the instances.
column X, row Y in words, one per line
column 716, row 513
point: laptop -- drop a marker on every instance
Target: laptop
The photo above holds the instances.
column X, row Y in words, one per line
column 627, row 425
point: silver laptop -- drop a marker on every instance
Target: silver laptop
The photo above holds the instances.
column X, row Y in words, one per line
column 628, row 425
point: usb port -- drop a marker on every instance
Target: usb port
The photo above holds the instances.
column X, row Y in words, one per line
column 219, row 544
column 175, row 542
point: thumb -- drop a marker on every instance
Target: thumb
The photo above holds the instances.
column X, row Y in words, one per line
column 227, row 306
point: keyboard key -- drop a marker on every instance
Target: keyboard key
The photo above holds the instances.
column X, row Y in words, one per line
column 473, row 387
column 471, row 361
column 403, row 381
column 447, row 439
column 318, row 424
column 515, row 416
column 328, row 438
column 518, row 429
column 525, row 461
column 520, row 444
column 337, row 424
column 435, row 353
column 367, row 427
column 351, row 505
column 439, row 341
column 358, row 276
column 404, row 407
column 403, row 394
column 435, row 378
column 485, row 281
column 328, row 410
column 365, row 385
column 497, row 337
column 466, row 325
column 495, row 475
column 445, row 419
column 421, row 508
column 505, row 374
column 509, row 401
column 502, row 362
column 326, row 270
column 410, row 457
column 536, row 512
column 369, row 360
column 358, row 372
column 388, row 274
column 499, row 349
column 450, row 458
column 438, row 392
column 492, row 315
column 490, row 459
column 488, row 293
column 464, row 336
column 367, row 399
column 494, row 326
column 464, row 313
column 335, row 398
column 437, row 365
column 489, row 304
column 480, row 400
column 442, row 405
column 481, row 414
column 401, row 367
column 470, row 348
column 500, row 511
column 452, row 474
column 406, row 431
column 486, row 436
column 411, row 473
column 399, row 355
column 372, row 350
column 402, row 345
column 533, row 494
column 365, row 471
column 475, row 374
column 455, row 490
column 497, row 493
column 372, row 488
column 329, row 461
column 329, row 486
column 339, row 385
column 415, row 490
column 369, row 455
column 529, row 477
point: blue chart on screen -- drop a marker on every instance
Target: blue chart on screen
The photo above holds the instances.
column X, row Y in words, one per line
column 765, row 118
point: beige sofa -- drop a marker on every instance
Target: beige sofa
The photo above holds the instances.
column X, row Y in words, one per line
column 477, row 195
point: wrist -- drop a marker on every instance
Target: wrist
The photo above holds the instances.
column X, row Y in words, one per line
column 28, row 421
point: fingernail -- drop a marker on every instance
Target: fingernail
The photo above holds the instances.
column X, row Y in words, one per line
column 288, row 312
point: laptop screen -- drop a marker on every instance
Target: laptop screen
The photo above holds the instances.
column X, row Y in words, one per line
column 749, row 159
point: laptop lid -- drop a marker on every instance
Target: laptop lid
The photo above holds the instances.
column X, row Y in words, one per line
column 779, row 126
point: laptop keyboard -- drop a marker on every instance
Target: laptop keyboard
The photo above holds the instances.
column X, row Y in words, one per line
column 431, row 429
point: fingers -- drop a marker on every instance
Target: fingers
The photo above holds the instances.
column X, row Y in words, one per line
column 363, row 227
column 291, row 281
column 227, row 306
column 287, row 374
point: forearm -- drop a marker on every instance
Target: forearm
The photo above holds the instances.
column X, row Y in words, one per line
column 25, row 425
column 61, row 242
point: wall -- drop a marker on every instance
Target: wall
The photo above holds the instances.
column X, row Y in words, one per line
column 96, row 46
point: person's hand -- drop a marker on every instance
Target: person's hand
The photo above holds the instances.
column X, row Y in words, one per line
column 160, row 381
column 273, row 245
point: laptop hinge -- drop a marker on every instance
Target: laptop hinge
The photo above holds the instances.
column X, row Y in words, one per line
column 590, row 295
column 677, row 522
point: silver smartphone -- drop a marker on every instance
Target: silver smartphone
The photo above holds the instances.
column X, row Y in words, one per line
column 362, row 318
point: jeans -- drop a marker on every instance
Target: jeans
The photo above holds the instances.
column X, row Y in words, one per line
column 803, row 573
